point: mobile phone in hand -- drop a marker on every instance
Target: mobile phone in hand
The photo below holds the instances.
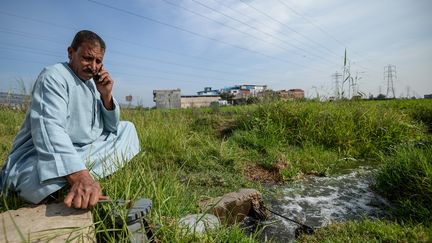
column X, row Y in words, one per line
column 97, row 76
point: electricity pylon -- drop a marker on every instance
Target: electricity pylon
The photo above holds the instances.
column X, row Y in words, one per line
column 390, row 76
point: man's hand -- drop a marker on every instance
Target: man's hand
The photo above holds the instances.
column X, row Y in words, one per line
column 105, row 85
column 85, row 192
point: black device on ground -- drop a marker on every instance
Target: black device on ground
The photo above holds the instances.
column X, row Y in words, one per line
column 134, row 219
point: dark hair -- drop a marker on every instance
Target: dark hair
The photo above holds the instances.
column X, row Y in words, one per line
column 86, row 35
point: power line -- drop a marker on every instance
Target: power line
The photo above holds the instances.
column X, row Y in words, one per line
column 33, row 50
column 133, row 43
column 48, row 53
column 27, row 35
column 225, row 25
column 37, row 20
column 251, row 19
column 197, row 34
column 218, row 22
column 14, row 47
column 264, row 32
column 312, row 23
column 171, row 72
column 288, row 27
column 173, row 63
column 108, row 36
column 29, row 50
column 48, row 39
column 317, row 26
column 176, row 64
column 20, row 60
column 117, row 72
column 137, row 57
column 171, row 51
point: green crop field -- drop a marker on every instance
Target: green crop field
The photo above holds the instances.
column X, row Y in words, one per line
column 192, row 154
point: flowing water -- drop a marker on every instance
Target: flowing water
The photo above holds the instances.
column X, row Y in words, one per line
column 318, row 201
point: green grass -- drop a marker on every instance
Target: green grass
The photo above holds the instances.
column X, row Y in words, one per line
column 318, row 136
column 406, row 179
column 10, row 122
column 171, row 201
column 356, row 129
column 189, row 155
column 370, row 231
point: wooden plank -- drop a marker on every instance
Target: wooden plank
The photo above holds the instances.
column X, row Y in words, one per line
column 47, row 222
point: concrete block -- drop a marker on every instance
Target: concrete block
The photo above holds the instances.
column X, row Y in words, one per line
column 199, row 223
column 47, row 222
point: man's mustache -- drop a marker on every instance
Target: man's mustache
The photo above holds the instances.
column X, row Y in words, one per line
column 89, row 71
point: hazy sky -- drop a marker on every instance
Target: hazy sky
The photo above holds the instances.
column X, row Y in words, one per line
column 191, row 44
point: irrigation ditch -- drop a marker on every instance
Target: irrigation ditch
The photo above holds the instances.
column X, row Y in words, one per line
column 319, row 201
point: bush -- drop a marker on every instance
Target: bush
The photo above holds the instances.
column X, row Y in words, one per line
column 422, row 112
column 370, row 231
column 406, row 179
column 356, row 129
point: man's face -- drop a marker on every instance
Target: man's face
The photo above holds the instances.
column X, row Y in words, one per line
column 86, row 61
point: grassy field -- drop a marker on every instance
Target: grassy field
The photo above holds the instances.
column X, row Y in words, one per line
column 189, row 155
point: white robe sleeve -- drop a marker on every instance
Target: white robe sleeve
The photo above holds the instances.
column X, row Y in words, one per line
column 57, row 156
column 111, row 118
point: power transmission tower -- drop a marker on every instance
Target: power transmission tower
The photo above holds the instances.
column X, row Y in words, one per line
column 390, row 75
column 336, row 76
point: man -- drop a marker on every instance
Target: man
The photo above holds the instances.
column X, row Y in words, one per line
column 71, row 132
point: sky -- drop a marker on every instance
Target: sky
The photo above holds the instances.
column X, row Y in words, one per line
column 192, row 44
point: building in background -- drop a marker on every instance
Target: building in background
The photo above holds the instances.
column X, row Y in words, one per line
column 240, row 94
column 245, row 90
column 208, row 91
column 167, row 99
column 291, row 94
column 197, row 101
column 428, row 96
column 14, row 100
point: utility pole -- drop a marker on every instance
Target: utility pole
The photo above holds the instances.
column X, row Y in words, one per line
column 389, row 76
column 336, row 76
